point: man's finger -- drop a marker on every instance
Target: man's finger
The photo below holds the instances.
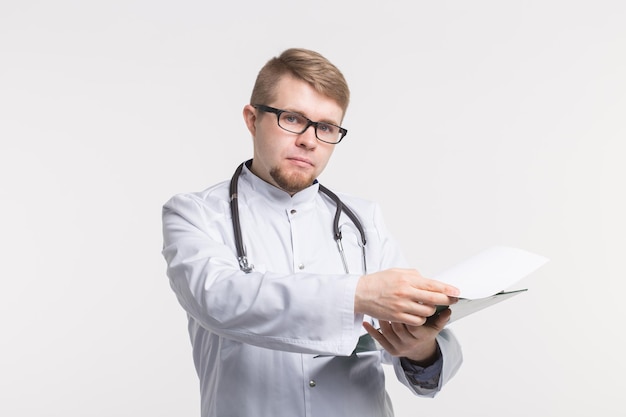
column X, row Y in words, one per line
column 438, row 321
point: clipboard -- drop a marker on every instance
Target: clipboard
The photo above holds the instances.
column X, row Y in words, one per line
column 480, row 279
column 462, row 308
column 465, row 306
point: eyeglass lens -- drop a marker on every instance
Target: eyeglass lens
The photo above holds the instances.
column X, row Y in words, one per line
column 296, row 123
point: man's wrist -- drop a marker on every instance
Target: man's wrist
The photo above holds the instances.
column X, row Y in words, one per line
column 427, row 359
column 423, row 374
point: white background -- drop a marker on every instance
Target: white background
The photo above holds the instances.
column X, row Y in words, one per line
column 473, row 123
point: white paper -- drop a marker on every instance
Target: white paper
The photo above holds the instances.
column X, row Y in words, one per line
column 491, row 271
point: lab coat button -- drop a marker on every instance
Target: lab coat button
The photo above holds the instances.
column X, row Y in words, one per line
column 293, row 211
column 312, row 383
column 301, row 266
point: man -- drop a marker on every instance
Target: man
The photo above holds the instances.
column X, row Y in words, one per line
column 275, row 326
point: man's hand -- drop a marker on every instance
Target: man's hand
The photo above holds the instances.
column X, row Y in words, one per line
column 416, row 343
column 401, row 296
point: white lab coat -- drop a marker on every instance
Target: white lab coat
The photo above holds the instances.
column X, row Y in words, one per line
column 256, row 336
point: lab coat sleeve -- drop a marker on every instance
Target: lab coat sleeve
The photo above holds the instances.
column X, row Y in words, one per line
column 306, row 313
column 452, row 359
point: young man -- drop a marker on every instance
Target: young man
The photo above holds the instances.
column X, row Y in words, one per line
column 276, row 313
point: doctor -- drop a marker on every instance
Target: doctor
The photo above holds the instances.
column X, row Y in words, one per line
column 275, row 336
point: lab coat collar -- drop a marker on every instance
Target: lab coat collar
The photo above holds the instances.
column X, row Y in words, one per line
column 277, row 195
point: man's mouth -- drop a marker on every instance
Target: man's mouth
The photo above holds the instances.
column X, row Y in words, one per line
column 303, row 162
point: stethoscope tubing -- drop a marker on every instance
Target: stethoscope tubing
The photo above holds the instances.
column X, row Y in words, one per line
column 244, row 264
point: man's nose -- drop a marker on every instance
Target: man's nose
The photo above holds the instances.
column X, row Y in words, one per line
column 307, row 139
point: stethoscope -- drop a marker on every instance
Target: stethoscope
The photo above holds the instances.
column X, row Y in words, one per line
column 246, row 267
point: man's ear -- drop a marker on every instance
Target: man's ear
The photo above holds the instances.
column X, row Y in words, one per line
column 249, row 117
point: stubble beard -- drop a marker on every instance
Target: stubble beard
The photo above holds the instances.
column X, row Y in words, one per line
column 292, row 182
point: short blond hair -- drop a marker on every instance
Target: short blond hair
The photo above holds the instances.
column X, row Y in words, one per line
column 306, row 65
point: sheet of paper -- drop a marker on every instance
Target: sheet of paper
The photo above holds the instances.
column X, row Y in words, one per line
column 491, row 271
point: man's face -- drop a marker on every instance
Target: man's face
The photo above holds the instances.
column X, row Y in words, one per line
column 287, row 160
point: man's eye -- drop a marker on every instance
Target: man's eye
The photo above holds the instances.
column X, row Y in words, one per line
column 326, row 128
column 293, row 118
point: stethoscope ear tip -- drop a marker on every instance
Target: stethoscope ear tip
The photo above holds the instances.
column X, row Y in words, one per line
column 244, row 265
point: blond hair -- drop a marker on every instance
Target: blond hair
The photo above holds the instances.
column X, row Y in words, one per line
column 306, row 65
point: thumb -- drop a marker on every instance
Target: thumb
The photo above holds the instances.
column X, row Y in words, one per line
column 439, row 321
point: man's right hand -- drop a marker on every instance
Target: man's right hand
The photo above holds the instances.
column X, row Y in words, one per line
column 401, row 296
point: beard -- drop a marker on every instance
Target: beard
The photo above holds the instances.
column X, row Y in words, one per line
column 291, row 182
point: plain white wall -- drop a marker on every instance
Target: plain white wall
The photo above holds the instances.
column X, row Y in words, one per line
column 472, row 123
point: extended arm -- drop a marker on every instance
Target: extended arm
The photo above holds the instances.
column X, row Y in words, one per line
column 307, row 313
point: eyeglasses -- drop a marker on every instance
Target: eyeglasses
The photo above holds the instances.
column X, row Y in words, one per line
column 297, row 123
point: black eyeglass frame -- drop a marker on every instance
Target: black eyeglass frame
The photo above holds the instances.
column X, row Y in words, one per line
column 343, row 132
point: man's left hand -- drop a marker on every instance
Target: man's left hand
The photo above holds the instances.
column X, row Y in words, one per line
column 416, row 343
